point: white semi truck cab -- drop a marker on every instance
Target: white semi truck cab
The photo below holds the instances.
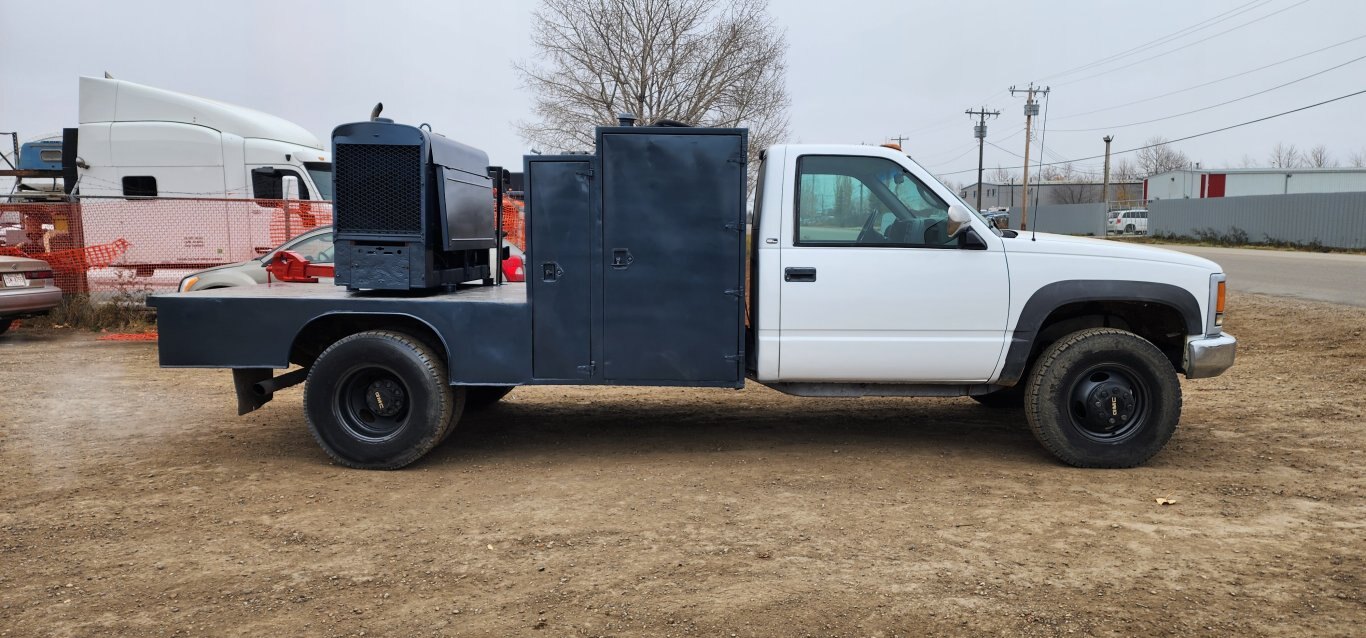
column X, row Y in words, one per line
column 137, row 140
column 186, row 181
column 861, row 276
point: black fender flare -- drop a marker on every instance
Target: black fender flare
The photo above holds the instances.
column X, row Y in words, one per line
column 1059, row 293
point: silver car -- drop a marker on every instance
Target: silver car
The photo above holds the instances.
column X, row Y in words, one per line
column 27, row 289
column 314, row 245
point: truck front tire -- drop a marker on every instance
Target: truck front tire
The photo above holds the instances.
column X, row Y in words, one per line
column 1103, row 397
column 379, row 400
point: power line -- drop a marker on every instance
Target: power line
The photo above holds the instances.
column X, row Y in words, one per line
column 1209, row 22
column 1211, row 82
column 1191, row 137
column 1187, row 46
column 942, row 123
column 1224, row 103
column 958, row 157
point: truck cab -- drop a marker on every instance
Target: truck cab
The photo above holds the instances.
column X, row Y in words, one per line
column 210, row 173
column 861, row 276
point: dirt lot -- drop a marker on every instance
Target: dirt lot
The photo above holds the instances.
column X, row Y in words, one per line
column 133, row 502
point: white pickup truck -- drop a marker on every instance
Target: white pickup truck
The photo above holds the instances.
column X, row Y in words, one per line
column 864, row 276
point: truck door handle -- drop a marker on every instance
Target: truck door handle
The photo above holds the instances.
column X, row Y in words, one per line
column 622, row 258
column 799, row 274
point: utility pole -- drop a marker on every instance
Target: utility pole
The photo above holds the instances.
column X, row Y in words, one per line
column 980, row 132
column 1105, row 185
column 1031, row 109
column 900, row 139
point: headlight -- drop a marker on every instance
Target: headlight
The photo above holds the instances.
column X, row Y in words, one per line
column 1214, row 323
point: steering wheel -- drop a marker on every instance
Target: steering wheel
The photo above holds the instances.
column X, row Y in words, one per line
column 870, row 236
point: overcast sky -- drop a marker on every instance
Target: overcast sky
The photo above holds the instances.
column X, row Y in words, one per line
column 859, row 70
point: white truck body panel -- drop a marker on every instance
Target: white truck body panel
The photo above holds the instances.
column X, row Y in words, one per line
column 887, row 314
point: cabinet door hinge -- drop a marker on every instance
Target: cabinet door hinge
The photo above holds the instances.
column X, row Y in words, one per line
column 589, row 368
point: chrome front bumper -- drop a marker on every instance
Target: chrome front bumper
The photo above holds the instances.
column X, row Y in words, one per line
column 1209, row 356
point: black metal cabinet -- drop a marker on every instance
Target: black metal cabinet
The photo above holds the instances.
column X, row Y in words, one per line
column 560, row 209
column 636, row 259
column 673, row 250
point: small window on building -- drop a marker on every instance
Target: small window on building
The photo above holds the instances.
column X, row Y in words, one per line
column 991, row 193
column 139, row 186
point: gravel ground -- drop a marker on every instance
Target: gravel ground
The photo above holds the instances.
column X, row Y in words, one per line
column 133, row 502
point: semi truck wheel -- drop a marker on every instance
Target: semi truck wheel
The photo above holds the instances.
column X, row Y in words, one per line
column 478, row 397
column 1011, row 398
column 379, row 400
column 1103, row 397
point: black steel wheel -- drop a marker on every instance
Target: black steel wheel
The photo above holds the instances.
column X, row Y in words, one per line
column 1103, row 397
column 379, row 400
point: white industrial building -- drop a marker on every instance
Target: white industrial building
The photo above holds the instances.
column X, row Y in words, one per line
column 1236, row 182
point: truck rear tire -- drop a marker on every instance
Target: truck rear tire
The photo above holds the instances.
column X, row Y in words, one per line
column 379, row 400
column 478, row 397
column 1103, row 397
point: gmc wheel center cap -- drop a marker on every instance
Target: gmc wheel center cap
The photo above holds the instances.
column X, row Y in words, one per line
column 384, row 397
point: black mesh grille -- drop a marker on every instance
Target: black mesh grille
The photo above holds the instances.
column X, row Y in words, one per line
column 379, row 189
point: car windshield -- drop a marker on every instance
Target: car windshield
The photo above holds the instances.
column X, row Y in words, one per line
column 321, row 173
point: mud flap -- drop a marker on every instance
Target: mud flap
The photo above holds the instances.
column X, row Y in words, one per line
column 247, row 398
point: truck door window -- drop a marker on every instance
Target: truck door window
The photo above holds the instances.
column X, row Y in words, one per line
column 866, row 201
column 139, row 186
column 270, row 185
column 321, row 172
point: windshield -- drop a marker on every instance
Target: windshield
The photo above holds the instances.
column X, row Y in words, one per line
column 321, row 173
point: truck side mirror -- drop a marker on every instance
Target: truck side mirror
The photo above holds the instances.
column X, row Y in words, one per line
column 959, row 218
column 289, row 187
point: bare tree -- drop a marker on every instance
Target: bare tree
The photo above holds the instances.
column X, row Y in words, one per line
column 1058, row 172
column 1004, row 176
column 1358, row 159
column 951, row 183
column 1285, row 156
column 1160, row 157
column 1125, row 171
column 703, row 62
column 1074, row 193
column 1247, row 162
column 1319, row 157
